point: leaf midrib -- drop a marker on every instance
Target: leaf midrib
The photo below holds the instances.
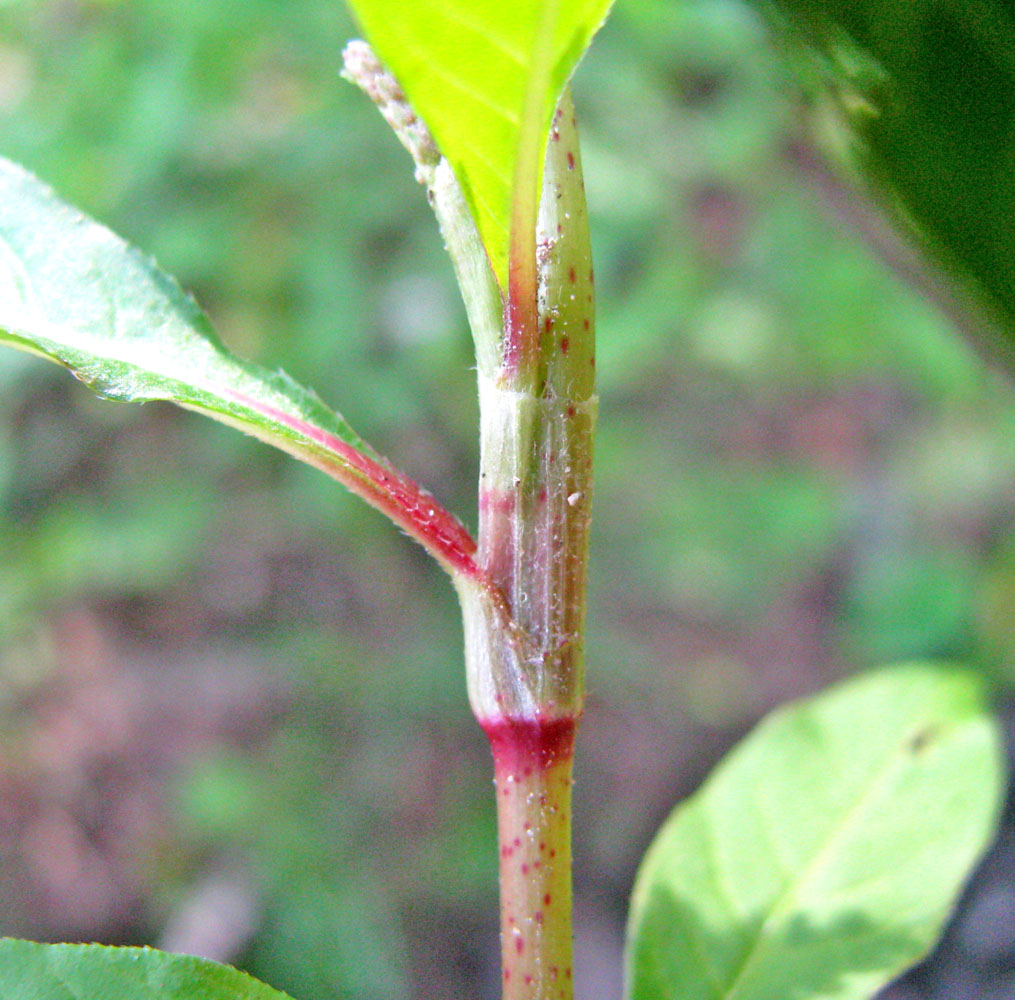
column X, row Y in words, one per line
column 793, row 890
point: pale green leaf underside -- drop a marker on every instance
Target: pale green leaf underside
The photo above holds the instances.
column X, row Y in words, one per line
column 73, row 292
column 485, row 76
column 823, row 856
column 30, row 971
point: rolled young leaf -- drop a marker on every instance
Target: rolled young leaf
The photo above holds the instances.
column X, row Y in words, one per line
column 73, row 292
column 30, row 971
column 824, row 855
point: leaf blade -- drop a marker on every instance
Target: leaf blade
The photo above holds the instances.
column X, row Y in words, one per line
column 509, row 64
column 30, row 971
column 804, row 868
column 74, row 293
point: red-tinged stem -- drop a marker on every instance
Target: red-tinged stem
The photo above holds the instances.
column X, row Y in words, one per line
column 388, row 489
column 532, row 768
column 525, row 657
column 521, row 320
column 523, row 592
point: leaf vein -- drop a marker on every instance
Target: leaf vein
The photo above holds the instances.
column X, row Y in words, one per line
column 794, row 889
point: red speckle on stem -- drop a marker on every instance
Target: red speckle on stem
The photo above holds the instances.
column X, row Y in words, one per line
column 519, row 945
column 570, row 161
column 548, row 324
column 571, row 411
column 547, row 899
column 497, row 501
column 572, row 276
column 585, row 323
column 565, row 343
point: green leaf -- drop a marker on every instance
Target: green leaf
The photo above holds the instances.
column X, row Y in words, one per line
column 825, row 853
column 30, row 971
column 485, row 76
column 926, row 90
column 73, row 292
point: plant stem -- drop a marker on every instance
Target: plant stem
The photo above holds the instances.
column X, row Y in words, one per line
column 523, row 600
column 525, row 638
column 532, row 766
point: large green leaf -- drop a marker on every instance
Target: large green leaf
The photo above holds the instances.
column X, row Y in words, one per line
column 30, row 971
column 485, row 76
column 927, row 90
column 825, row 853
column 73, row 292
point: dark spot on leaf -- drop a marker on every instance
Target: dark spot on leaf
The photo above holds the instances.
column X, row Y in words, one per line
column 921, row 740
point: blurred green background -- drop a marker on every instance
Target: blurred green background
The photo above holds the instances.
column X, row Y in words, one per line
column 232, row 705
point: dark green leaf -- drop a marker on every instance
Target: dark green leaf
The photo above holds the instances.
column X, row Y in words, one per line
column 927, row 91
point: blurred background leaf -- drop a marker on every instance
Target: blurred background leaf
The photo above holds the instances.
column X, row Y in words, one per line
column 243, row 727
column 920, row 96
